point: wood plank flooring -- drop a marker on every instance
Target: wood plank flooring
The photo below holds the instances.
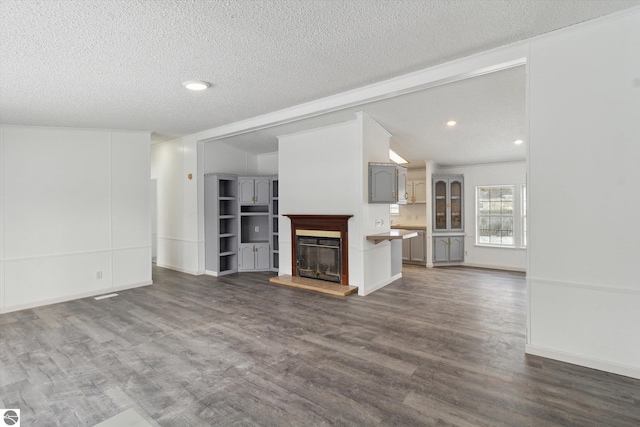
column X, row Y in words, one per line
column 438, row 347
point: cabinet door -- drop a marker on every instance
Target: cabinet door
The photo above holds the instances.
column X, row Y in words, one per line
column 456, row 248
column 261, row 191
column 455, row 205
column 382, row 184
column 402, row 189
column 246, row 261
column 440, row 249
column 262, row 256
column 440, row 195
column 420, row 191
column 245, row 188
column 417, row 248
column 406, row 249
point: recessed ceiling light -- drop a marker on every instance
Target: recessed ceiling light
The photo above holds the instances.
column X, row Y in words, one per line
column 451, row 123
column 196, row 85
column 396, row 158
column 518, row 141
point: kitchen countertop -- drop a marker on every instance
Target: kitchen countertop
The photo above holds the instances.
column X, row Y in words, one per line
column 395, row 234
column 408, row 227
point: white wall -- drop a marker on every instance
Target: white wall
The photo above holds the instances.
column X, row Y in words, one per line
column 268, row 163
column 512, row 173
column 180, row 220
column 584, row 133
column 74, row 202
column 220, row 157
column 323, row 172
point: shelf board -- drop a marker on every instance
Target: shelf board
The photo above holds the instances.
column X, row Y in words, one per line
column 227, row 198
column 254, row 213
column 228, row 216
column 227, row 253
column 276, row 252
column 275, row 233
column 227, row 235
column 254, row 241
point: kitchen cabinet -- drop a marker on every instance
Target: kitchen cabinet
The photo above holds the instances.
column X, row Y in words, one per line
column 448, row 209
column 414, row 249
column 253, row 191
column 253, row 256
column 448, row 248
column 387, row 183
column 417, row 191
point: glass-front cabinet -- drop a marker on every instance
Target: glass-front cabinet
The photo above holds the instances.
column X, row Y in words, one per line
column 448, row 207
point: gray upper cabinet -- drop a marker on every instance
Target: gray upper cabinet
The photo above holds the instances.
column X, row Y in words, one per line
column 448, row 199
column 253, row 191
column 387, row 183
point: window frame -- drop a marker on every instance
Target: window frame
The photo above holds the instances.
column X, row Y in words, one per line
column 511, row 216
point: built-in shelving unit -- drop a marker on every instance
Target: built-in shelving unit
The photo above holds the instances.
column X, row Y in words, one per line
column 275, row 237
column 221, row 224
column 448, row 219
column 254, row 227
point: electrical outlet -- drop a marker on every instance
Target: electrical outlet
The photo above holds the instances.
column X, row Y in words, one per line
column 257, row 229
column 98, row 274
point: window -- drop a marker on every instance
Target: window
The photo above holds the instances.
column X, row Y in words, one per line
column 494, row 216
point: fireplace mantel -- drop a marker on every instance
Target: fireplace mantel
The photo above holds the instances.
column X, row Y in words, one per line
column 327, row 223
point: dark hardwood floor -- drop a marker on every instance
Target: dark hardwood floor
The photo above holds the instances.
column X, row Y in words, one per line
column 438, row 347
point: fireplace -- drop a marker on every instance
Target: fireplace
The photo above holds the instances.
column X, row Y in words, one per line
column 319, row 247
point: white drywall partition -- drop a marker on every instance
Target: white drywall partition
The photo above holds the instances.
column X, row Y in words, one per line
column 584, row 105
column 75, row 213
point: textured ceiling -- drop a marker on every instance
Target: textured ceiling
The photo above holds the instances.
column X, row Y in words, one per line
column 119, row 64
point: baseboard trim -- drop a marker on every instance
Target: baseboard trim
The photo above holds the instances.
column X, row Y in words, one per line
column 180, row 269
column 574, row 359
column 66, row 298
column 495, row 267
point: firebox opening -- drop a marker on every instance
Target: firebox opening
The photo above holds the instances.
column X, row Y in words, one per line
column 318, row 254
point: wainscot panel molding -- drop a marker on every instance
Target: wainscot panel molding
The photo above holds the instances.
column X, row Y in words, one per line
column 592, row 325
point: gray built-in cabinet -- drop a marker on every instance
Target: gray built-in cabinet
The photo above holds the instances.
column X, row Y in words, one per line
column 448, row 218
column 448, row 249
column 255, row 223
column 275, row 216
column 221, row 224
column 448, row 210
column 253, row 190
column 239, row 225
column 387, row 183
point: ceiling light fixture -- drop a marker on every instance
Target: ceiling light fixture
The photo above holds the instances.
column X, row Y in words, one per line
column 451, row 123
column 518, row 141
column 396, row 158
column 196, row 85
